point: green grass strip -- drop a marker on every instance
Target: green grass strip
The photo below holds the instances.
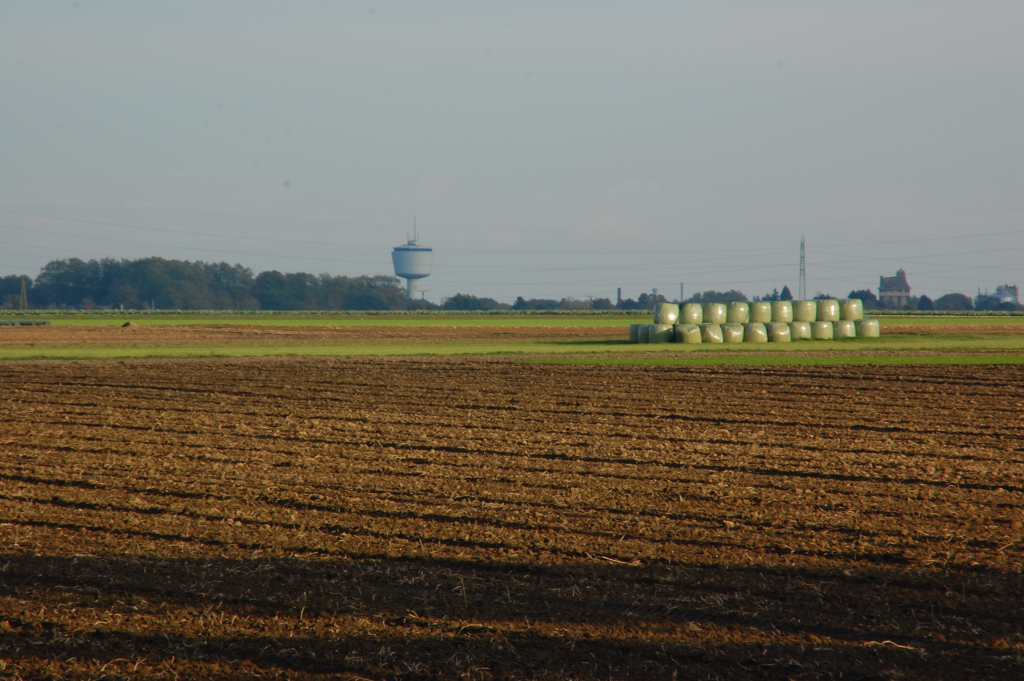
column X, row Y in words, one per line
column 788, row 360
column 350, row 320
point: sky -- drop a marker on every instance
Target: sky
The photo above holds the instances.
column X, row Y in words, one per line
column 545, row 150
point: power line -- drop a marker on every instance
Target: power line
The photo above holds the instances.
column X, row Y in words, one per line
column 814, row 224
column 503, row 251
column 702, row 266
column 649, row 265
column 223, row 214
column 102, row 255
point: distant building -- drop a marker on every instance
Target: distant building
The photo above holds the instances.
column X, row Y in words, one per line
column 894, row 291
column 1003, row 294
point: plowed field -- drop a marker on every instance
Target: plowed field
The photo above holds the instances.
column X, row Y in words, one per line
column 233, row 334
column 473, row 519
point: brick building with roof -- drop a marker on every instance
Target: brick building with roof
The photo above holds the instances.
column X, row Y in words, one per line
column 894, row 292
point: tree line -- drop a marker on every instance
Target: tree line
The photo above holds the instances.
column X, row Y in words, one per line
column 161, row 284
column 157, row 283
column 953, row 302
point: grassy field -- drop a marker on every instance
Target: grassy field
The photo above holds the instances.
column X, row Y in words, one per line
column 947, row 320
column 583, row 337
column 497, row 318
column 503, row 318
column 793, row 360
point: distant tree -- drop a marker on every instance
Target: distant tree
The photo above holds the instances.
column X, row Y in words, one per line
column 10, row 291
column 628, row 304
column 421, row 304
column 380, row 292
column 786, row 294
column 925, row 303
column 178, row 284
column 867, row 297
column 647, row 301
column 602, row 304
column 534, row 304
column 69, row 282
column 991, row 303
column 823, row 296
column 987, row 302
column 464, row 301
column 732, row 296
column 954, row 301
column 292, row 291
column 573, row 304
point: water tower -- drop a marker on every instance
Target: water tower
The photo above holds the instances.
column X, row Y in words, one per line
column 412, row 262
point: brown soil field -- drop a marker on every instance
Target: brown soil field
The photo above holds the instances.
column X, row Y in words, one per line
column 238, row 334
column 309, row 518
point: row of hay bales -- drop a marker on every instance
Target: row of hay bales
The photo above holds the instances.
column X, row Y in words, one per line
column 761, row 322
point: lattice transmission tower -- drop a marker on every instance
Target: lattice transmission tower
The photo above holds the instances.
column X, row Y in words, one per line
column 803, row 271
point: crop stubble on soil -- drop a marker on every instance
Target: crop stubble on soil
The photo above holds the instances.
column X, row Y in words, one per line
column 493, row 519
column 233, row 334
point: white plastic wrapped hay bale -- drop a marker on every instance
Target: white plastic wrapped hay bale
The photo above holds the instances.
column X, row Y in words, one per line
column 800, row 330
column 821, row 330
column 782, row 311
column 711, row 333
column 868, row 328
column 755, row 332
column 666, row 313
column 643, row 333
column 778, row 332
column 691, row 313
column 828, row 310
column 805, row 310
column 844, row 328
column 714, row 313
column 634, row 333
column 732, row 333
column 660, row 333
column 851, row 309
column 760, row 312
column 687, row 333
column 738, row 313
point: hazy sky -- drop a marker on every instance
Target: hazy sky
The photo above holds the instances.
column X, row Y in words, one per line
column 546, row 149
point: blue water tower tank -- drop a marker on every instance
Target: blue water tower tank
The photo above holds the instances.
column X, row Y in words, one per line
column 412, row 263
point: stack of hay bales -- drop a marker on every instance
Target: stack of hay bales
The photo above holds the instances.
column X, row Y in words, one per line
column 761, row 322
